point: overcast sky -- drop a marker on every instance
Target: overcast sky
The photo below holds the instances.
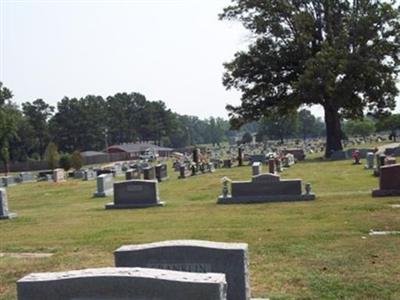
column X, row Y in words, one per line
column 169, row 50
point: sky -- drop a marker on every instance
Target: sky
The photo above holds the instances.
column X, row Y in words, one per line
column 169, row 50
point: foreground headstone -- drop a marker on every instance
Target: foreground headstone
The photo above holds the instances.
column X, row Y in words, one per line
column 135, row 194
column 122, row 284
column 230, row 259
column 266, row 188
column 4, row 213
column 389, row 181
column 104, row 185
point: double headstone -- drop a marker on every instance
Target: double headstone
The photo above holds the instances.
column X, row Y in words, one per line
column 135, row 194
column 266, row 188
column 230, row 259
column 104, row 185
column 4, row 213
column 122, row 284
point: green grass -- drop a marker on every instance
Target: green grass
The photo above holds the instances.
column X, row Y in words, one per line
column 302, row 250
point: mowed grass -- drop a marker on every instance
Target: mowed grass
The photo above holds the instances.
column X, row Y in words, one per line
column 300, row 250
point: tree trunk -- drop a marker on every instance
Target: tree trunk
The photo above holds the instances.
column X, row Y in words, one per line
column 333, row 130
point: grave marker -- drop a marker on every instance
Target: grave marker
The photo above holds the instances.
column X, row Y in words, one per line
column 230, row 259
column 122, row 284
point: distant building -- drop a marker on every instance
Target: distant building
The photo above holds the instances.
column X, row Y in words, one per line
column 137, row 149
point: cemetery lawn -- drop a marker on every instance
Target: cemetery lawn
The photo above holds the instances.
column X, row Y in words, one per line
column 302, row 250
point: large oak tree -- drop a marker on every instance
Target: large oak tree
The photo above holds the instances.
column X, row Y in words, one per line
column 342, row 55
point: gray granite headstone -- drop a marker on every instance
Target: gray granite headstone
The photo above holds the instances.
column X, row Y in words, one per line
column 370, row 160
column 25, row 177
column 4, row 213
column 89, row 174
column 104, row 185
column 132, row 174
column 230, row 259
column 265, row 188
column 8, row 181
column 256, row 168
column 136, row 194
column 122, row 284
column 149, row 173
column 161, row 172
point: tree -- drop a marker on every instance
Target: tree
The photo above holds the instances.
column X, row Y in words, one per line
column 65, row 162
column 247, row 138
column 52, row 155
column 307, row 124
column 279, row 127
column 341, row 54
column 76, row 160
column 362, row 128
column 390, row 123
column 8, row 124
column 38, row 113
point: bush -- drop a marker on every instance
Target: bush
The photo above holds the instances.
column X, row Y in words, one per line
column 66, row 162
column 76, row 160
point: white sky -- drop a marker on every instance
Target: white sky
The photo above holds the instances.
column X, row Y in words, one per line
column 169, row 50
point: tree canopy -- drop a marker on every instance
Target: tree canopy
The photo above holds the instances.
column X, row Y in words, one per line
column 343, row 55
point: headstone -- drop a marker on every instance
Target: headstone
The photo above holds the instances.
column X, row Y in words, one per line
column 78, row 174
column 58, row 175
column 227, row 163
column 161, row 172
column 26, row 177
column 8, row 181
column 196, row 155
column 149, row 173
column 4, row 213
column 135, row 194
column 256, row 168
column 370, row 160
column 132, row 174
column 104, row 186
column 390, row 160
column 266, row 188
column 240, row 156
column 271, row 166
column 389, row 181
column 182, row 172
column 278, row 164
column 258, row 158
column 122, row 284
column 89, row 174
column 230, row 259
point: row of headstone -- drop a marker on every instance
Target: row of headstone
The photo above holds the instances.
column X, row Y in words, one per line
column 170, row 270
